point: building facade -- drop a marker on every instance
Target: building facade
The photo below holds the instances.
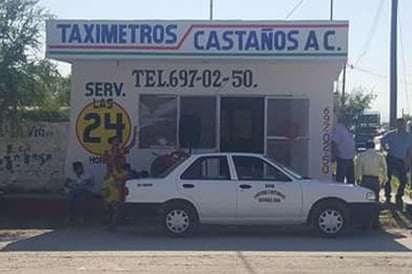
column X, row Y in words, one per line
column 232, row 86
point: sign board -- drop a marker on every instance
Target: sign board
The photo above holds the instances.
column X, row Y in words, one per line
column 70, row 39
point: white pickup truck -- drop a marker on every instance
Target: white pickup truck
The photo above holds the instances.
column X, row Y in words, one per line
column 243, row 188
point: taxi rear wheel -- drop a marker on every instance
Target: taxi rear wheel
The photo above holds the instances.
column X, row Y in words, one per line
column 331, row 219
column 179, row 219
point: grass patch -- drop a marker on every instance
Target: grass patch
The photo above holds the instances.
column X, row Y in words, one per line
column 395, row 184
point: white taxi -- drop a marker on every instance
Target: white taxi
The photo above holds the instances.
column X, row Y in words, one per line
column 243, row 188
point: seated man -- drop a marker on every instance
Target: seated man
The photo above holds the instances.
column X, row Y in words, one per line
column 78, row 189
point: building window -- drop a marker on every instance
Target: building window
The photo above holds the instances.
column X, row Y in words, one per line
column 197, row 127
column 158, row 121
column 287, row 139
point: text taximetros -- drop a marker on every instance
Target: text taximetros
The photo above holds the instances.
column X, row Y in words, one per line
column 232, row 38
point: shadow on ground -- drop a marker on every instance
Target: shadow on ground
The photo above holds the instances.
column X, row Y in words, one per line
column 209, row 238
column 390, row 217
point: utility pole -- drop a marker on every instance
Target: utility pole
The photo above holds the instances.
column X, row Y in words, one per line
column 331, row 10
column 344, row 65
column 343, row 84
column 211, row 10
column 393, row 101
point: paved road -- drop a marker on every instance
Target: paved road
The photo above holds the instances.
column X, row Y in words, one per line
column 213, row 250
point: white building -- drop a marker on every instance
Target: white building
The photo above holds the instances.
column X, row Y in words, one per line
column 244, row 86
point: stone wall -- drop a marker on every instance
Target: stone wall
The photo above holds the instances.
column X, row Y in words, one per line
column 34, row 160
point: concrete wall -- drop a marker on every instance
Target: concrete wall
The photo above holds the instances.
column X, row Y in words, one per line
column 34, row 160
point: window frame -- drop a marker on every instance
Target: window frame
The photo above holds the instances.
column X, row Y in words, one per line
column 201, row 158
column 256, row 179
column 176, row 117
column 216, row 118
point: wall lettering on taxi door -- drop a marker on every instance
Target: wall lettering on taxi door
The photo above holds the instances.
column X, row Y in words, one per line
column 269, row 196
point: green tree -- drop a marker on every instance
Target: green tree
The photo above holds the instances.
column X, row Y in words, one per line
column 353, row 104
column 26, row 80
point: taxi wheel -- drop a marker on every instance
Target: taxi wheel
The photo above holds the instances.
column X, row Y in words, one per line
column 331, row 219
column 179, row 219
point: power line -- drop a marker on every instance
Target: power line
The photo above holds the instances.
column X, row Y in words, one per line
column 372, row 31
column 294, row 9
column 370, row 72
column 374, row 73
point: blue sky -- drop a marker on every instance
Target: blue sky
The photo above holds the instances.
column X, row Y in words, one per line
column 368, row 34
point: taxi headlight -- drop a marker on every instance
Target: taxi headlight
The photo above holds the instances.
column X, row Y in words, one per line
column 370, row 196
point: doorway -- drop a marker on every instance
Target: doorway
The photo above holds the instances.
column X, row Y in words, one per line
column 242, row 124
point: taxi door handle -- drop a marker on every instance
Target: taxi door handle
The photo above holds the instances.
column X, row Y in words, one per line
column 245, row 186
column 188, row 185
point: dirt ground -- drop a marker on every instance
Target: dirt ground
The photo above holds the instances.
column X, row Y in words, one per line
column 213, row 250
column 92, row 249
column 203, row 262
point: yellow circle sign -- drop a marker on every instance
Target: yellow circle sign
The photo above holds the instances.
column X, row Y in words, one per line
column 97, row 123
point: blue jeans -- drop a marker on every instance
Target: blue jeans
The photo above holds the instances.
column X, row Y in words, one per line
column 345, row 169
column 397, row 165
column 76, row 203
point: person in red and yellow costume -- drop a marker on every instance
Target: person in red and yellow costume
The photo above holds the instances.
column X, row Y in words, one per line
column 114, row 190
column 117, row 153
column 114, row 194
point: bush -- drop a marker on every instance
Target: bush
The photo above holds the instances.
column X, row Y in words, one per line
column 49, row 115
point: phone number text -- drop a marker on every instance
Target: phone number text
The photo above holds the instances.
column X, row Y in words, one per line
column 192, row 78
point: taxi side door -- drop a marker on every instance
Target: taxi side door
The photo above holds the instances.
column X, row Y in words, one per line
column 265, row 193
column 207, row 181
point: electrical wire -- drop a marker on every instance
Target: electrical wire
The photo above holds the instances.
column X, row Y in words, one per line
column 372, row 31
column 294, row 9
column 374, row 73
column 370, row 72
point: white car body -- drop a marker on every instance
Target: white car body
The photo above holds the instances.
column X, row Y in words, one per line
column 227, row 201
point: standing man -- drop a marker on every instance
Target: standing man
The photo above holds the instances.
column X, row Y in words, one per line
column 398, row 145
column 343, row 147
column 370, row 166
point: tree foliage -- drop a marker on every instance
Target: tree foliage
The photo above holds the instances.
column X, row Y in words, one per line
column 26, row 81
column 353, row 104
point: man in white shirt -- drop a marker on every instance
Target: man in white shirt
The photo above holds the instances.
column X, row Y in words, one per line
column 370, row 168
column 79, row 189
column 343, row 145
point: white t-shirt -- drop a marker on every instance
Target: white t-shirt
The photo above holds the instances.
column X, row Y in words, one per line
column 344, row 141
column 85, row 181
